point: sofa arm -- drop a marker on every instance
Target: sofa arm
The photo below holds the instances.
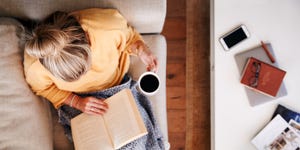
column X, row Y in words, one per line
column 157, row 44
column 147, row 16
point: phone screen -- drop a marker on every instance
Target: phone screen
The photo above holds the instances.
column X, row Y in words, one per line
column 235, row 37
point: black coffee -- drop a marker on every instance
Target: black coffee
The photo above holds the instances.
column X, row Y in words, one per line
column 149, row 83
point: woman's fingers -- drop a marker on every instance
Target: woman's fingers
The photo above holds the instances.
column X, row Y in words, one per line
column 149, row 59
column 155, row 68
column 94, row 111
column 152, row 65
column 100, row 102
column 95, row 106
column 97, row 110
column 90, row 112
column 96, row 103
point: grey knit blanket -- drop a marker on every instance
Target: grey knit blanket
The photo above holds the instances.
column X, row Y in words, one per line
column 152, row 141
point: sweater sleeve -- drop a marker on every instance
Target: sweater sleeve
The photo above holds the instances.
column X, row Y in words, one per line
column 132, row 37
column 42, row 85
column 130, row 33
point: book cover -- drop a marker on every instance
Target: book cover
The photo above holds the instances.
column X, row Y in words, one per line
column 120, row 125
column 262, row 77
column 277, row 135
column 256, row 98
column 286, row 113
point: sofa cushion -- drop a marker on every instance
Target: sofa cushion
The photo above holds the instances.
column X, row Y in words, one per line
column 147, row 16
column 24, row 118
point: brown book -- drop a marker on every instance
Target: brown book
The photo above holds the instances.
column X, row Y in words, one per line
column 121, row 124
column 262, row 77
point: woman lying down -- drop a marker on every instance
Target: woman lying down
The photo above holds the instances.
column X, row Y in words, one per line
column 78, row 59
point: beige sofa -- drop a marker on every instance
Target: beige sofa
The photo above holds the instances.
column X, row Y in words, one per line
column 30, row 122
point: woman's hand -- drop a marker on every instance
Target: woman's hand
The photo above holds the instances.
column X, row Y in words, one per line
column 149, row 60
column 91, row 105
column 146, row 56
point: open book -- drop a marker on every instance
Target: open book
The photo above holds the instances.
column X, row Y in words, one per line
column 121, row 124
column 278, row 135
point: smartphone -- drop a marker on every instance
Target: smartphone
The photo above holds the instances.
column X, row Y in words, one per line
column 234, row 37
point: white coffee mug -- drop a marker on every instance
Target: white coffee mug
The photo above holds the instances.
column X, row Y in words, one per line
column 148, row 83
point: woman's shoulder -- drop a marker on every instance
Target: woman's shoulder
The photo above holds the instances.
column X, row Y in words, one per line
column 95, row 11
column 33, row 68
column 98, row 18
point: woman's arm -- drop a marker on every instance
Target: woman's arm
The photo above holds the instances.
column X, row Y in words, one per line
column 145, row 54
column 42, row 85
column 89, row 105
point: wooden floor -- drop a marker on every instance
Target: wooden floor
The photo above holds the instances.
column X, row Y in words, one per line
column 188, row 108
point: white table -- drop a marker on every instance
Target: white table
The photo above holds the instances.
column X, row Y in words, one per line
column 234, row 121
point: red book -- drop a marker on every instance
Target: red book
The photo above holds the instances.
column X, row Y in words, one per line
column 262, row 77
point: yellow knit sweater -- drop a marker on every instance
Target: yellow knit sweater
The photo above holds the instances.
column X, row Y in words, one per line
column 110, row 38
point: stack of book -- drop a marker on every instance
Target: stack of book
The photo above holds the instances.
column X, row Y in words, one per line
column 260, row 74
column 262, row 77
column 281, row 133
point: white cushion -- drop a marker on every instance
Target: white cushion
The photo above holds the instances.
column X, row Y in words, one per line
column 147, row 16
column 24, row 118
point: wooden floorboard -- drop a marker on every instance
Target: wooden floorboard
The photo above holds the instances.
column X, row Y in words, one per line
column 176, row 8
column 187, row 33
column 176, row 98
column 175, row 28
column 197, row 75
column 177, row 51
column 175, row 33
column 177, row 140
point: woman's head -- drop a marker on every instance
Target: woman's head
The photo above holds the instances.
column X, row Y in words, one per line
column 61, row 46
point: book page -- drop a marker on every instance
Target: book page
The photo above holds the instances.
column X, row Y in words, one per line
column 295, row 125
column 123, row 119
column 277, row 135
column 89, row 133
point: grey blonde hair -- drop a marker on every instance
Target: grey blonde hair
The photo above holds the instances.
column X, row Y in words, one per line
column 61, row 46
